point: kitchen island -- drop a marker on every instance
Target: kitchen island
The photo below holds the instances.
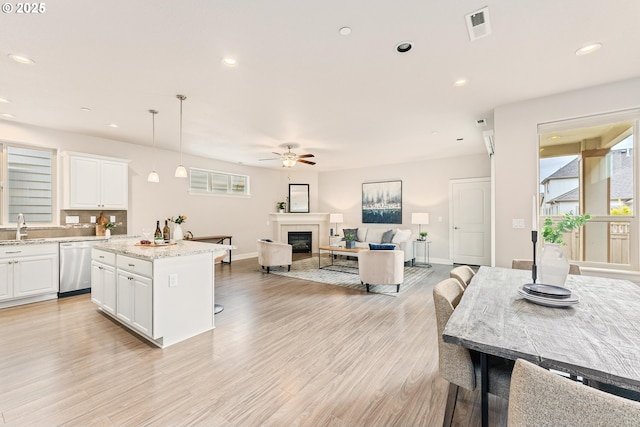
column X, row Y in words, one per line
column 163, row 293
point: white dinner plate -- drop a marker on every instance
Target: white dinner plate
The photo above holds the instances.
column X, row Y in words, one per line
column 549, row 302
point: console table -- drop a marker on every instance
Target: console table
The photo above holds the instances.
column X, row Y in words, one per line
column 215, row 239
column 416, row 244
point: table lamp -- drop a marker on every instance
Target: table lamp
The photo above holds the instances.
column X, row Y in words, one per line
column 420, row 218
column 336, row 218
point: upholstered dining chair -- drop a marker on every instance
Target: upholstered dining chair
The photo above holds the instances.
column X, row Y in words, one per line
column 541, row 398
column 274, row 254
column 526, row 264
column 381, row 267
column 457, row 364
column 462, row 274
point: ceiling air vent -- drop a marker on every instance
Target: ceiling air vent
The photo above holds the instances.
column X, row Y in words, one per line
column 478, row 23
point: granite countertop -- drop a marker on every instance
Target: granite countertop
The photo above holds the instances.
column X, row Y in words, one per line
column 60, row 240
column 181, row 248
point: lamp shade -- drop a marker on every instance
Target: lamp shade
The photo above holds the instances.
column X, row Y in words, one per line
column 336, row 218
column 420, row 218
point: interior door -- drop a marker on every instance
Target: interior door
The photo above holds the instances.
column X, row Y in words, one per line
column 471, row 221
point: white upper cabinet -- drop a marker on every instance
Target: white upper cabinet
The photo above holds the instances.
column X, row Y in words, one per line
column 93, row 182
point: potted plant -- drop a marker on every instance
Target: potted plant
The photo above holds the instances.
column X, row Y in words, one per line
column 281, row 206
column 350, row 240
column 554, row 266
column 108, row 226
column 423, row 236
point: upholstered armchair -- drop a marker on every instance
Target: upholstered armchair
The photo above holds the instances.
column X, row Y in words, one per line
column 273, row 254
column 381, row 268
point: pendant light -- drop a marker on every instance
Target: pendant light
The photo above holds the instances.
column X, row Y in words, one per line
column 153, row 175
column 181, row 171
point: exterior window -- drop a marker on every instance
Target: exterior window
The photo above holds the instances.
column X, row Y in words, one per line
column 591, row 170
column 30, row 185
column 203, row 181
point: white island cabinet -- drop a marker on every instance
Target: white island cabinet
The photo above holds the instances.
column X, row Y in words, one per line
column 163, row 293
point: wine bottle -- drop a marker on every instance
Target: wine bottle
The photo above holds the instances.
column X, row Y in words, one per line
column 166, row 233
column 157, row 236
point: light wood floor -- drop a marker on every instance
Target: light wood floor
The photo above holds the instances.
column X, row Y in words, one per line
column 285, row 352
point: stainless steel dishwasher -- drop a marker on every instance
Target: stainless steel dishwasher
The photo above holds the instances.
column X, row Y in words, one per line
column 75, row 268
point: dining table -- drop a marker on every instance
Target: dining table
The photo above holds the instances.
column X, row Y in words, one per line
column 597, row 338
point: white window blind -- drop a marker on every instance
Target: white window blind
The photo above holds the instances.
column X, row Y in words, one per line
column 30, row 184
column 213, row 182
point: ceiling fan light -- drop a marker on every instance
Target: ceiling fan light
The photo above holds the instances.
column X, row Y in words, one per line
column 181, row 172
column 153, row 177
column 288, row 162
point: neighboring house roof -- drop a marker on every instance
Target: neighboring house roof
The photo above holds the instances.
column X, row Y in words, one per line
column 621, row 178
column 569, row 196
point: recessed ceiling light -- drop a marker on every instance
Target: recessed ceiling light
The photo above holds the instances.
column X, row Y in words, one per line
column 404, row 47
column 590, row 48
column 85, row 109
column 460, row 82
column 21, row 59
column 112, row 125
column 4, row 101
column 229, row 62
column 345, row 31
column 8, row 116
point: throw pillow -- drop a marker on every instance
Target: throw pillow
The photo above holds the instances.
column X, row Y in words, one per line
column 387, row 237
column 362, row 234
column 353, row 231
column 381, row 247
column 401, row 236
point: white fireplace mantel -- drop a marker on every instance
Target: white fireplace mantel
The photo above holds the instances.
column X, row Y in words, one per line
column 317, row 223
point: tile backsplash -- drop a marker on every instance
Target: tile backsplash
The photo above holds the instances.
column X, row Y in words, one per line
column 83, row 227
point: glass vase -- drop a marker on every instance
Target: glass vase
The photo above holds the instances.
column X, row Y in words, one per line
column 553, row 266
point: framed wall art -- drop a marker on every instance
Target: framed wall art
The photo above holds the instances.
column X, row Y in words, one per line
column 382, row 202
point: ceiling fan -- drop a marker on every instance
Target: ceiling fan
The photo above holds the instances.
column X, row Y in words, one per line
column 290, row 158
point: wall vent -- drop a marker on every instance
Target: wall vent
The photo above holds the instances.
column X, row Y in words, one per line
column 478, row 24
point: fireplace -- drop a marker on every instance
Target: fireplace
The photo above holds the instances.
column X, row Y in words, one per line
column 301, row 241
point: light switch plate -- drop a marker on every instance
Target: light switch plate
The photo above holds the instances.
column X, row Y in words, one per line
column 173, row 280
column 518, row 223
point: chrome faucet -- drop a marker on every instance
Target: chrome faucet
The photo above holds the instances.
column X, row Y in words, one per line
column 21, row 225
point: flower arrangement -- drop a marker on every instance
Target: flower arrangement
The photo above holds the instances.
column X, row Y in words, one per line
column 423, row 235
column 178, row 220
column 281, row 205
column 109, row 225
column 553, row 233
column 622, row 209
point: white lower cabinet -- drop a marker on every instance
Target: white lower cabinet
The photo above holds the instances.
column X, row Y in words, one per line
column 103, row 286
column 28, row 271
column 135, row 299
column 123, row 287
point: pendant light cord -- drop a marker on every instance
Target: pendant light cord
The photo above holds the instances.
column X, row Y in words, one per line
column 181, row 99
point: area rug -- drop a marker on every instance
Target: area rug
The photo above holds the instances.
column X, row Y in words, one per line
column 307, row 269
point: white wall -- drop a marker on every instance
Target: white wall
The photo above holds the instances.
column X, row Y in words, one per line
column 425, row 188
column 243, row 218
column 516, row 153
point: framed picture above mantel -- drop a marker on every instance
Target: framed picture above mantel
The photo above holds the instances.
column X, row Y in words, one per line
column 299, row 198
column 382, row 202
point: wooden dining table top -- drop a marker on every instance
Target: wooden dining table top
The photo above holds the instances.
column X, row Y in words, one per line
column 598, row 338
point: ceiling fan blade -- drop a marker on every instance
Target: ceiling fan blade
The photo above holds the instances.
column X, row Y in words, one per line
column 302, row 156
column 277, row 154
column 273, row 158
column 306, row 161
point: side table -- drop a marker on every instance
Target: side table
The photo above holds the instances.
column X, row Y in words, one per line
column 425, row 244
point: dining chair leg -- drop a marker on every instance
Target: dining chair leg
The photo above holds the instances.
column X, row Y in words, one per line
column 450, row 408
column 484, row 392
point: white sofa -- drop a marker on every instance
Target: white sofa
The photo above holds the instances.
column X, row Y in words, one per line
column 401, row 238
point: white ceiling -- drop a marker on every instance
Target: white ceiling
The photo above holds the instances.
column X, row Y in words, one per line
column 351, row 100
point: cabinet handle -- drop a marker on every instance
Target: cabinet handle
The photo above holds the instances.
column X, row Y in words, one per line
column 100, row 268
column 10, row 262
column 130, row 278
column 101, row 256
column 131, row 265
column 13, row 252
